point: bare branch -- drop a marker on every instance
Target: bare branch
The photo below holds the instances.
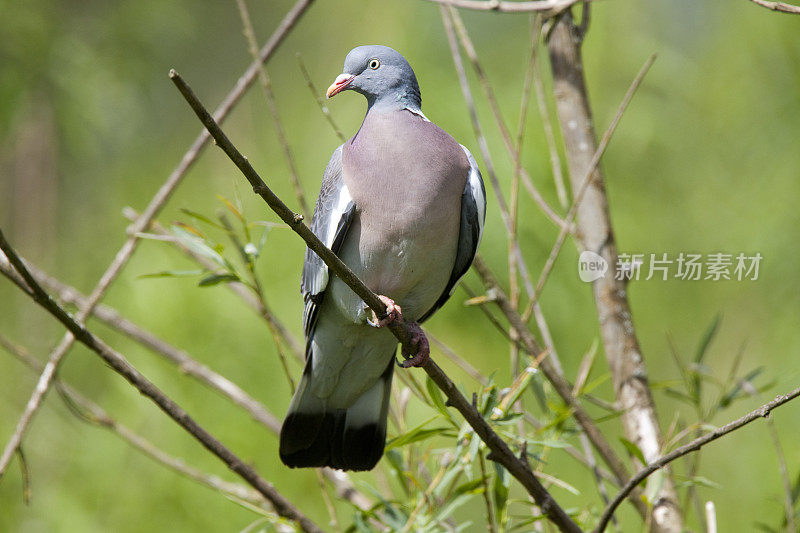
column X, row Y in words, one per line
column 318, row 97
column 472, row 54
column 560, row 384
column 120, row 365
column 500, row 450
column 781, row 7
column 191, row 367
column 152, row 209
column 182, row 359
column 595, row 233
column 587, row 179
column 661, row 462
column 266, row 84
column 95, row 414
column 553, row 6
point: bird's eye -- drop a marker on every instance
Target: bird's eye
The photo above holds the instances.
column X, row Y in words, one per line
column 374, row 63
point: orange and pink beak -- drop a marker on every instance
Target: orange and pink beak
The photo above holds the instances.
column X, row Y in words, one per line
column 339, row 84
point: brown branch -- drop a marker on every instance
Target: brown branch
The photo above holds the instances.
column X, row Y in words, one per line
column 319, row 99
column 186, row 364
column 505, row 134
column 781, row 7
column 560, row 384
column 595, row 233
column 500, row 450
column 553, row 6
column 661, row 462
column 266, row 84
column 484, row 146
column 152, row 209
column 94, row 414
column 240, row 289
column 586, row 181
column 120, row 365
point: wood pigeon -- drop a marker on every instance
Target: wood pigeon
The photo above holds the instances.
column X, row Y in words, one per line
column 403, row 205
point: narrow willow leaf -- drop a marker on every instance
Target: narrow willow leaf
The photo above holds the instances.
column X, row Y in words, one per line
column 516, row 390
column 172, row 274
column 214, row 279
column 437, row 399
column 633, row 450
column 197, row 245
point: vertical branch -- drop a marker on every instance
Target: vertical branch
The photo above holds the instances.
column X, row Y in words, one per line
column 595, row 233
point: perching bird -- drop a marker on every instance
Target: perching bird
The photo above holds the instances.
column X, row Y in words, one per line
column 403, row 205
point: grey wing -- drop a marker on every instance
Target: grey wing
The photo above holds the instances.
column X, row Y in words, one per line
column 473, row 215
column 333, row 213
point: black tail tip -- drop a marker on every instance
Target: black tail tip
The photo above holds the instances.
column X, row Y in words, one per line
column 316, row 440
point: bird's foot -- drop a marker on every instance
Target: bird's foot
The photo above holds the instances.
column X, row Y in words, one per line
column 394, row 314
column 418, row 351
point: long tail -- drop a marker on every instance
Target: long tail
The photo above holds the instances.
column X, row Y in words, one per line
column 347, row 439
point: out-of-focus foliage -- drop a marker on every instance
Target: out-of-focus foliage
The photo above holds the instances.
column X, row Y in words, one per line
column 705, row 160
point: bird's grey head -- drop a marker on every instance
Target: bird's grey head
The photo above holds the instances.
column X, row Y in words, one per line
column 381, row 74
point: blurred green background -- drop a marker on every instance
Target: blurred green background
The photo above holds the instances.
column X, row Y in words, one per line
column 705, row 160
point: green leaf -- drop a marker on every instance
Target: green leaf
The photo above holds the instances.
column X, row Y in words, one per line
column 502, row 481
column 172, row 274
column 233, row 209
column 474, row 486
column 633, row 450
column 417, row 434
column 705, row 341
column 214, row 279
column 654, row 484
column 197, row 245
column 702, row 349
column 202, row 218
column 438, row 400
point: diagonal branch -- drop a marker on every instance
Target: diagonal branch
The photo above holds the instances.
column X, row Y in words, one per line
column 94, row 414
column 186, row 363
column 120, row 365
column 695, row 445
column 781, row 7
column 552, row 6
column 500, row 451
column 152, row 209
column 560, row 384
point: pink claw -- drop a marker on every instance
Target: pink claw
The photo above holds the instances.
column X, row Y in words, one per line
column 393, row 312
column 418, row 351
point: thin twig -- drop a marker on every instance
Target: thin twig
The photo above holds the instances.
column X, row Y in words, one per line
column 266, row 84
column 595, row 234
column 240, row 289
column 93, row 413
column 547, row 126
column 560, row 384
column 508, row 142
column 318, row 98
column 641, row 475
column 500, row 450
column 152, row 209
column 553, row 6
column 587, row 179
column 483, row 146
column 258, row 290
column 490, row 519
column 781, row 7
column 120, row 365
column 186, row 364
